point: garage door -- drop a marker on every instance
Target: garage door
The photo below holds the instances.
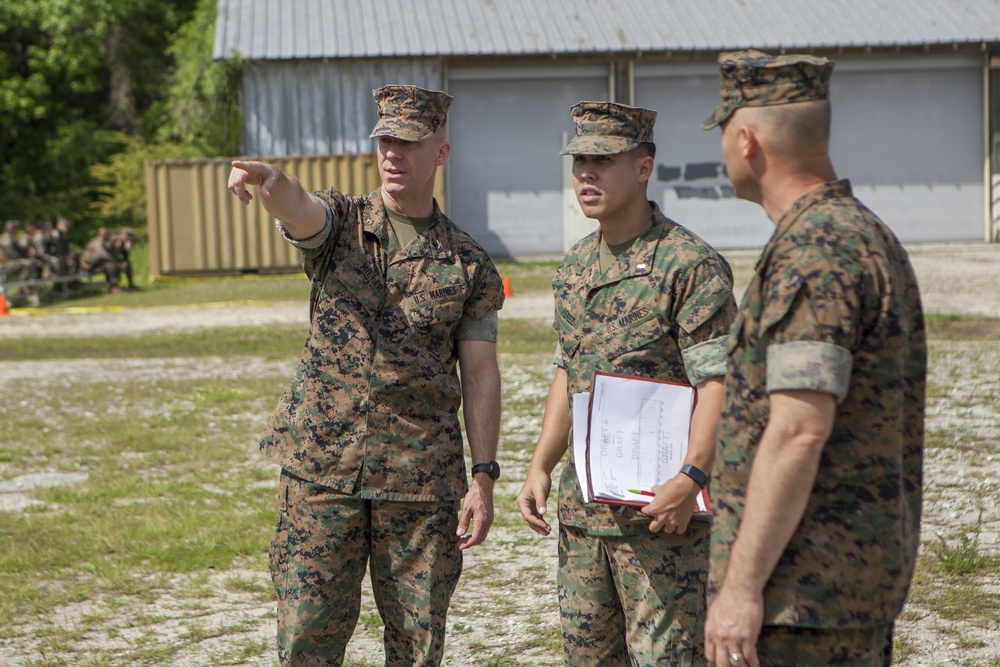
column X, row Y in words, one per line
column 690, row 182
column 907, row 132
column 505, row 177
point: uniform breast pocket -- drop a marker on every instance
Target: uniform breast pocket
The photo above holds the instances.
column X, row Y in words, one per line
column 335, row 323
column 436, row 307
column 635, row 338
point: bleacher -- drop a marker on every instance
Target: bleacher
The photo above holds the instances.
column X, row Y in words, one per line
column 58, row 285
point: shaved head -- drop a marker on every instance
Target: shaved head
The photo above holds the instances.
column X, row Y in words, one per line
column 776, row 153
column 795, row 130
column 439, row 137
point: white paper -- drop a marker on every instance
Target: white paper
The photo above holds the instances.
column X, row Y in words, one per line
column 700, row 505
column 638, row 434
column 581, row 407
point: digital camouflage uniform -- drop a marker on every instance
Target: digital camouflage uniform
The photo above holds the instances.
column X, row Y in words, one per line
column 14, row 259
column 99, row 255
column 368, row 434
column 833, row 307
column 753, row 78
column 45, row 250
column 629, row 596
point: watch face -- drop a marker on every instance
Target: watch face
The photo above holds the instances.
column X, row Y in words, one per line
column 696, row 474
column 492, row 469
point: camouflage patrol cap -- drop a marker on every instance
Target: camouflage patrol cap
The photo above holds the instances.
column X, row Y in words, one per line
column 606, row 128
column 410, row 113
column 753, row 78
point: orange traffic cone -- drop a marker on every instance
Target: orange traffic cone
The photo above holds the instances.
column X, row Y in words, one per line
column 4, row 309
column 508, row 291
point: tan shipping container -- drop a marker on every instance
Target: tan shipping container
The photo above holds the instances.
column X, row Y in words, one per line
column 198, row 227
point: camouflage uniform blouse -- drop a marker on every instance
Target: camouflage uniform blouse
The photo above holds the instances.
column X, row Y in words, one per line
column 373, row 407
column 662, row 311
column 10, row 249
column 834, row 308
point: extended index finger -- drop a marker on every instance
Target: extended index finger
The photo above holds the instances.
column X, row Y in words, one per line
column 239, row 176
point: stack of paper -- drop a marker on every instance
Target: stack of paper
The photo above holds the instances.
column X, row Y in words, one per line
column 630, row 434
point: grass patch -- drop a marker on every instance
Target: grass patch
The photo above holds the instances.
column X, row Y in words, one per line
column 171, row 493
column 371, row 622
column 173, row 291
column 273, row 341
column 902, row 649
column 251, row 587
column 962, row 556
column 957, row 598
column 530, row 276
column 956, row 327
column 176, row 507
column 526, row 337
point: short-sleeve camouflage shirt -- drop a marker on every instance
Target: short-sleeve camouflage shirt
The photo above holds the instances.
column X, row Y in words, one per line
column 833, row 307
column 663, row 310
column 373, row 407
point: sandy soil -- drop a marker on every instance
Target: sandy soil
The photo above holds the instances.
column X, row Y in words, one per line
column 519, row 572
column 961, row 279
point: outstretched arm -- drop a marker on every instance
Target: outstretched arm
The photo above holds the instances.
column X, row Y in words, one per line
column 301, row 213
column 477, row 360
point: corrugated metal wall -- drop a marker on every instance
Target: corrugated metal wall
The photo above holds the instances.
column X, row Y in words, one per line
column 196, row 226
column 304, row 107
column 993, row 130
column 931, row 190
column 994, row 231
column 304, row 29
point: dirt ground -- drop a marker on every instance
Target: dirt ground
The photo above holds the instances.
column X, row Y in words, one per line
column 962, row 279
column 955, row 278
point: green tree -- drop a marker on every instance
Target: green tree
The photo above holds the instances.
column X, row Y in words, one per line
column 76, row 80
column 49, row 79
column 198, row 116
column 121, row 200
column 203, row 96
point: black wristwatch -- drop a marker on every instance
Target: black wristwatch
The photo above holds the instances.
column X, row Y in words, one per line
column 492, row 469
column 700, row 478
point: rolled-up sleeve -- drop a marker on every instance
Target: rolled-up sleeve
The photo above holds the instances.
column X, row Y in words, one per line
column 810, row 320
column 809, row 366
column 704, row 318
column 316, row 240
column 558, row 358
column 479, row 328
column 706, row 360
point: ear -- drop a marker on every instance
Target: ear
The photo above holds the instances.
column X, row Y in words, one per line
column 747, row 141
column 645, row 168
column 444, row 150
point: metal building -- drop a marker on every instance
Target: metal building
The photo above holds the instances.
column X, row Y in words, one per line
column 916, row 92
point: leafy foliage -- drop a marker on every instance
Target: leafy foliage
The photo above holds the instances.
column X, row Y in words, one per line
column 202, row 97
column 90, row 89
column 50, row 85
column 122, row 179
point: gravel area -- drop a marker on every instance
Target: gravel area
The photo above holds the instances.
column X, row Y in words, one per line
column 955, row 278
column 519, row 569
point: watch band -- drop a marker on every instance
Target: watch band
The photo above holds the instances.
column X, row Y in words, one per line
column 491, row 468
column 700, row 478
